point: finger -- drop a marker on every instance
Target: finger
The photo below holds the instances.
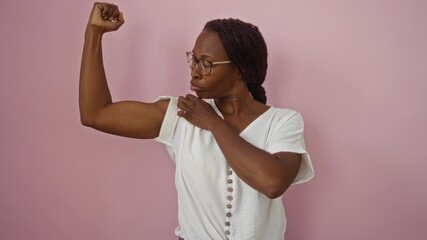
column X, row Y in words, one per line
column 183, row 114
column 111, row 10
column 116, row 13
column 194, row 101
column 191, row 97
column 184, row 100
column 97, row 9
column 108, row 10
column 103, row 7
column 191, row 100
column 121, row 18
column 183, row 104
column 117, row 22
column 114, row 17
column 186, row 104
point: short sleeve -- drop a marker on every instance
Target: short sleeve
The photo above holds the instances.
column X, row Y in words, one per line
column 288, row 136
column 169, row 126
column 169, row 122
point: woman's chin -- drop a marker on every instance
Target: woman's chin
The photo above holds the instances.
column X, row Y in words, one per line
column 206, row 95
column 200, row 94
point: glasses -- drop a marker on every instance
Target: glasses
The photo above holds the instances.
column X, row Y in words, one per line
column 204, row 65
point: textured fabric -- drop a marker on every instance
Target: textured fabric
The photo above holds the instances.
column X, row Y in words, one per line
column 202, row 172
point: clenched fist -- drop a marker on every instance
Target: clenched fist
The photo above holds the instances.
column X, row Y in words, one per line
column 106, row 17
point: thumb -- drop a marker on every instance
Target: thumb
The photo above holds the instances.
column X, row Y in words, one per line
column 115, row 23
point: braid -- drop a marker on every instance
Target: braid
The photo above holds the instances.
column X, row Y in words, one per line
column 257, row 92
column 246, row 48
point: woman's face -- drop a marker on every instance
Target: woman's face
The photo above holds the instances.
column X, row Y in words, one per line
column 222, row 79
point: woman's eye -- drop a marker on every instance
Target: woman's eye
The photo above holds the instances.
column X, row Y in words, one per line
column 205, row 63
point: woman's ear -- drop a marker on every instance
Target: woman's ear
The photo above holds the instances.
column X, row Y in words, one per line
column 237, row 73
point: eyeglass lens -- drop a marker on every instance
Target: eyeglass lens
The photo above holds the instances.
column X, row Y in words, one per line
column 203, row 64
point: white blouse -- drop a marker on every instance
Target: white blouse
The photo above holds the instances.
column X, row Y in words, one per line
column 213, row 202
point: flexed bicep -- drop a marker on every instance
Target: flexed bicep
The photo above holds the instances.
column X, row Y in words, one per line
column 131, row 119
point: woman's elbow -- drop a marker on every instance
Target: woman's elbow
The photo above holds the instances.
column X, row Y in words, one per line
column 87, row 121
column 87, row 117
column 276, row 189
column 274, row 192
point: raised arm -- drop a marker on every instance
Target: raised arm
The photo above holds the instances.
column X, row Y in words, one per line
column 125, row 118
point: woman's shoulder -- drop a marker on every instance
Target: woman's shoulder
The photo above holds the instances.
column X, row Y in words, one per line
column 284, row 111
column 284, row 116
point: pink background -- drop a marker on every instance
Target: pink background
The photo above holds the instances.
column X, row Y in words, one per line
column 355, row 69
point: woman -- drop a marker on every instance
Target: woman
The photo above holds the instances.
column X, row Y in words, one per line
column 234, row 155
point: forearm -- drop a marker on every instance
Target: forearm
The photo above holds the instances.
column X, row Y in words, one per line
column 93, row 90
column 259, row 169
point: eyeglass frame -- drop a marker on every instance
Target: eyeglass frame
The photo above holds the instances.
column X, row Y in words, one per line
column 198, row 63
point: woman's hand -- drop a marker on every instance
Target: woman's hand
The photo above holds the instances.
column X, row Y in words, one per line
column 197, row 112
column 105, row 17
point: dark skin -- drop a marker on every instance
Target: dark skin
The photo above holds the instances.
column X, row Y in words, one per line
column 270, row 174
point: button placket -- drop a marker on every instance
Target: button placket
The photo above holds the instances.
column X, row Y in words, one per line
column 229, row 205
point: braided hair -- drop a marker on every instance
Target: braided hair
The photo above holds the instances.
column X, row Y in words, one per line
column 246, row 48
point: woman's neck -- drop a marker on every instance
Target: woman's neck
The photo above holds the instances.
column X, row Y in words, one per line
column 241, row 104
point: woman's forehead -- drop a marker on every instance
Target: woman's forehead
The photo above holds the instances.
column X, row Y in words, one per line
column 209, row 44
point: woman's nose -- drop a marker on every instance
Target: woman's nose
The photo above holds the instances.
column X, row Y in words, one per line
column 195, row 72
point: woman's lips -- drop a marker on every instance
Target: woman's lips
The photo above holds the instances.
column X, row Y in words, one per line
column 194, row 87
